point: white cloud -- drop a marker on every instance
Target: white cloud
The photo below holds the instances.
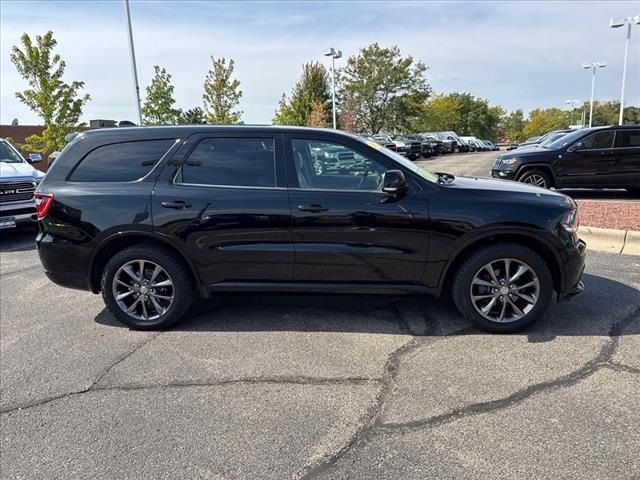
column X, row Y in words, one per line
column 519, row 55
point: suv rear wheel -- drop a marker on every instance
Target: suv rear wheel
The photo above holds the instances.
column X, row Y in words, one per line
column 537, row 178
column 503, row 287
column 147, row 287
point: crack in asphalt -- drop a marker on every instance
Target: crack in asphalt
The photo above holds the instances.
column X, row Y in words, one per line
column 53, row 398
column 619, row 367
column 372, row 426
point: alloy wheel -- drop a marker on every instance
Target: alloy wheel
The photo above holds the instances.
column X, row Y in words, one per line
column 505, row 290
column 537, row 180
column 143, row 290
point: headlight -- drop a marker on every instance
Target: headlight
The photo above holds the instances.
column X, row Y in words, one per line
column 571, row 221
column 508, row 161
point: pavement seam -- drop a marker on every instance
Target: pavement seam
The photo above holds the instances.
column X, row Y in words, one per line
column 14, row 272
column 373, row 427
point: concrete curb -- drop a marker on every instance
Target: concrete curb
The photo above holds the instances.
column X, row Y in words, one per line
column 611, row 241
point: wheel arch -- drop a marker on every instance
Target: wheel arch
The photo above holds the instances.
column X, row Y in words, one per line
column 535, row 243
column 115, row 243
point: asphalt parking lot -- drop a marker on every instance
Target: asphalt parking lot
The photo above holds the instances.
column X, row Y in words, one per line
column 274, row 387
column 480, row 163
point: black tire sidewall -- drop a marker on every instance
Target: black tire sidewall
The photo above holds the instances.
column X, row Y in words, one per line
column 183, row 295
column 467, row 271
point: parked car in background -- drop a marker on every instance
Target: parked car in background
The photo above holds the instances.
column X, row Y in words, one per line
column 447, row 143
column 425, row 144
column 380, row 141
column 547, row 137
column 18, row 182
column 462, row 146
column 600, row 157
column 490, row 145
column 475, row 145
column 436, row 144
column 412, row 148
column 399, row 146
column 154, row 218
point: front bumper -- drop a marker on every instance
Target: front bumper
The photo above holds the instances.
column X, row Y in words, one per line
column 20, row 212
column 503, row 174
column 573, row 271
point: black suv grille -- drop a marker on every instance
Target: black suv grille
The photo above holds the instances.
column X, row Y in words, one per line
column 16, row 191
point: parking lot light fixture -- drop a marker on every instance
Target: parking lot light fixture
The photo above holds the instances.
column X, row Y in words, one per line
column 333, row 53
column 593, row 66
column 617, row 23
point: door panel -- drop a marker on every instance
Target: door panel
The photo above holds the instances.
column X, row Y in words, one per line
column 344, row 228
column 627, row 157
column 590, row 164
column 230, row 232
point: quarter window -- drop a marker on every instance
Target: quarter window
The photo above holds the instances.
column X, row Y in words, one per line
column 121, row 162
column 238, row 162
column 599, row 140
column 627, row 138
column 331, row 166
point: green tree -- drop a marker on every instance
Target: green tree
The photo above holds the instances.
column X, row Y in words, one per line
column 311, row 89
column 385, row 87
column 59, row 104
column 462, row 113
column 543, row 120
column 512, row 126
column 222, row 93
column 193, row 116
column 158, row 108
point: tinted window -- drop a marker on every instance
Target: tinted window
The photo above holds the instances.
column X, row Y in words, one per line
column 238, row 162
column 120, row 162
column 331, row 166
column 627, row 138
column 599, row 140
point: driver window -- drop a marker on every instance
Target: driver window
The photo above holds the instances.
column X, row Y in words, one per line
column 331, row 166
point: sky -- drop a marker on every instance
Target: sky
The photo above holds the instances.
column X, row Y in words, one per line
column 515, row 54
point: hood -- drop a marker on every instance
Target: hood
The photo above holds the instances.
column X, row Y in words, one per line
column 494, row 185
column 18, row 171
column 530, row 152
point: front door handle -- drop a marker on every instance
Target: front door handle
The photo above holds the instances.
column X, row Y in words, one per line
column 314, row 208
column 178, row 204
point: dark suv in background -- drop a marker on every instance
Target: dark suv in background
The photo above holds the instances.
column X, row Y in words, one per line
column 156, row 217
column 600, row 157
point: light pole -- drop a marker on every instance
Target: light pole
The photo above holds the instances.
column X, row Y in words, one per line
column 593, row 66
column 331, row 52
column 617, row 23
column 572, row 102
column 133, row 62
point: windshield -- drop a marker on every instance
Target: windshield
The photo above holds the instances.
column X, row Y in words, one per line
column 8, row 154
column 567, row 139
column 426, row 174
column 552, row 138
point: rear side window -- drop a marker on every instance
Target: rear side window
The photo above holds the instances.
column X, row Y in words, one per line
column 599, row 140
column 120, row 162
column 627, row 138
column 237, row 162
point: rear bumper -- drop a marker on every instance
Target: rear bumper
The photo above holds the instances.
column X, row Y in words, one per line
column 62, row 262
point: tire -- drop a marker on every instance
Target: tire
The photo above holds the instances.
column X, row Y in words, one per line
column 473, row 269
column 538, row 178
column 173, row 269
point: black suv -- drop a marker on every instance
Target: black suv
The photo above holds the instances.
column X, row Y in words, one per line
column 155, row 217
column 600, row 157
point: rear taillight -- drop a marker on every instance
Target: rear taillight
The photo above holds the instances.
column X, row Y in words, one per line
column 43, row 203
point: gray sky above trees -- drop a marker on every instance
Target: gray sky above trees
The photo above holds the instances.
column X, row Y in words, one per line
column 516, row 54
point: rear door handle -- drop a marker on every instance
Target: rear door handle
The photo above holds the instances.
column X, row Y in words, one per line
column 314, row 208
column 178, row 204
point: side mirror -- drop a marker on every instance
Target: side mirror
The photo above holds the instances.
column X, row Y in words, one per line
column 35, row 158
column 576, row 147
column 393, row 182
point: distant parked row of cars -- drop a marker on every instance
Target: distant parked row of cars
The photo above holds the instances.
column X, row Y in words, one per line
column 428, row 144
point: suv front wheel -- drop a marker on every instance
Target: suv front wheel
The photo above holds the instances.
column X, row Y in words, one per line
column 537, row 178
column 147, row 287
column 503, row 287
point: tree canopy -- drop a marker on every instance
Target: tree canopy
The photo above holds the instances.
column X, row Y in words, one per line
column 385, row 87
column 310, row 95
column 158, row 108
column 58, row 103
column 222, row 93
